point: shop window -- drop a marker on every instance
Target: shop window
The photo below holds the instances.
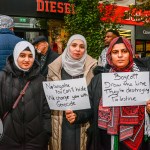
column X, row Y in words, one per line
column 143, row 48
column 139, row 46
column 148, row 46
column 56, row 35
column 34, row 23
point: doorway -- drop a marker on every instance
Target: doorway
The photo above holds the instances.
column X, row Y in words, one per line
column 29, row 35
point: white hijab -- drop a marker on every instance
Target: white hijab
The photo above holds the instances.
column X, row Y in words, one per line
column 72, row 66
column 21, row 46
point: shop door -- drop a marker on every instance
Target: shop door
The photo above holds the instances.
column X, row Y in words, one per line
column 29, row 35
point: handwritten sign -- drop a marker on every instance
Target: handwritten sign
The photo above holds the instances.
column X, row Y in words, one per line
column 125, row 89
column 67, row 94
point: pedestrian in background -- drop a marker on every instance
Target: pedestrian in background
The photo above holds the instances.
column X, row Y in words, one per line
column 110, row 35
column 67, row 132
column 8, row 40
column 44, row 54
column 27, row 126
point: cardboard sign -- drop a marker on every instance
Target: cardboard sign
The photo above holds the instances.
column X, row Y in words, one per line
column 125, row 89
column 67, row 94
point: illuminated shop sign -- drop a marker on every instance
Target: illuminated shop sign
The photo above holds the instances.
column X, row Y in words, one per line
column 146, row 32
column 142, row 32
column 54, row 6
column 118, row 17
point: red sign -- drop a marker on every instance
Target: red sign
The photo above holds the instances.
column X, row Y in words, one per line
column 119, row 13
column 54, row 7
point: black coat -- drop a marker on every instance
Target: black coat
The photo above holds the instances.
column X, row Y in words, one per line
column 50, row 57
column 28, row 125
column 98, row 139
column 71, row 134
column 145, row 61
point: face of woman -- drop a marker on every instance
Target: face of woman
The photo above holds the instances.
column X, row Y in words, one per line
column 120, row 55
column 25, row 60
column 77, row 49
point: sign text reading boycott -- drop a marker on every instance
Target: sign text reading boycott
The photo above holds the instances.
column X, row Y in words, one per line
column 125, row 89
column 67, row 94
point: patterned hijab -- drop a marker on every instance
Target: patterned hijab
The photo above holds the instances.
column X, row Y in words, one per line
column 130, row 49
column 71, row 66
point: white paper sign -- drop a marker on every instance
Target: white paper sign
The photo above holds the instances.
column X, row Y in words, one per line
column 67, row 94
column 125, row 89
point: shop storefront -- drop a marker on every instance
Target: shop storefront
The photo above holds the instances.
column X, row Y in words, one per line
column 142, row 40
column 38, row 17
column 46, row 17
column 133, row 29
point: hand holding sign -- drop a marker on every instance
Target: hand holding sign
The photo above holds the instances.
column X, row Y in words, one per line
column 148, row 106
column 70, row 116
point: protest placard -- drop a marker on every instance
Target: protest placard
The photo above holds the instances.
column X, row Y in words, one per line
column 125, row 88
column 67, row 94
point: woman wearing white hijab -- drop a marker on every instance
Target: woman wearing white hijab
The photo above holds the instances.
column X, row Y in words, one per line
column 73, row 63
column 26, row 126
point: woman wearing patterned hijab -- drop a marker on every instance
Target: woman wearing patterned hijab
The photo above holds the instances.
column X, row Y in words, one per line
column 73, row 63
column 26, row 126
column 117, row 128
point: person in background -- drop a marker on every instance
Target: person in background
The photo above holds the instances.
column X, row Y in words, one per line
column 44, row 54
column 54, row 46
column 59, row 43
column 8, row 39
column 67, row 132
column 110, row 35
column 109, row 129
column 28, row 125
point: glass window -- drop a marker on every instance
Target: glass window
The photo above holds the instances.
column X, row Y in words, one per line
column 25, row 22
column 139, row 46
column 148, row 46
column 57, row 35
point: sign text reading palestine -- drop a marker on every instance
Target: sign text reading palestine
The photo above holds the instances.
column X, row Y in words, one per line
column 54, row 7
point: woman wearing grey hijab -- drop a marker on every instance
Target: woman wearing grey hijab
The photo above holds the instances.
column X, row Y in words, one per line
column 26, row 126
column 67, row 132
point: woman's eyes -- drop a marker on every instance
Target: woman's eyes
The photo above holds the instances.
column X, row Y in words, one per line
column 114, row 52
column 22, row 56
column 74, row 45
column 125, row 51
column 80, row 46
column 122, row 51
column 29, row 56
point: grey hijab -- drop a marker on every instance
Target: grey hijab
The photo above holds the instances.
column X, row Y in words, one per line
column 72, row 66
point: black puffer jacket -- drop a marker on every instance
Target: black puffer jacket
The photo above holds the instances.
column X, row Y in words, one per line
column 98, row 139
column 28, row 125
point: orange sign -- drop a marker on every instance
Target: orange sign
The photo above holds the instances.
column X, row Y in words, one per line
column 54, row 7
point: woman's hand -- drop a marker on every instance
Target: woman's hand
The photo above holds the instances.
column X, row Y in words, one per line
column 70, row 116
column 148, row 106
